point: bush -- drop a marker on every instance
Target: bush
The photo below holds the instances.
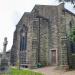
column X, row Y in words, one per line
column 73, row 61
column 39, row 65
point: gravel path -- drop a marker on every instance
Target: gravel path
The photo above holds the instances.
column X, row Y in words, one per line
column 53, row 71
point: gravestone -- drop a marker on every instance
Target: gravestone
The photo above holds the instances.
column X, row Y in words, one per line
column 4, row 64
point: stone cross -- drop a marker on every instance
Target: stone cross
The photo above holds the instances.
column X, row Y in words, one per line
column 4, row 60
column 5, row 45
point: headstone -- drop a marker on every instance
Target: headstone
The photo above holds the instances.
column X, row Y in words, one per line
column 4, row 66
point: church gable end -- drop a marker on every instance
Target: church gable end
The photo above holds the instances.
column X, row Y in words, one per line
column 40, row 37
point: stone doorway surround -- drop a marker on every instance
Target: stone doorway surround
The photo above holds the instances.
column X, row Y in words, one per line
column 56, row 57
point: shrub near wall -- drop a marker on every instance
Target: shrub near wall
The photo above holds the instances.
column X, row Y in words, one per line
column 73, row 61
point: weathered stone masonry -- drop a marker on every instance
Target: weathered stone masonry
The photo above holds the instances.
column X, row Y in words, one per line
column 45, row 41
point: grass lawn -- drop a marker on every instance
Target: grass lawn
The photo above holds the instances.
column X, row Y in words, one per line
column 22, row 72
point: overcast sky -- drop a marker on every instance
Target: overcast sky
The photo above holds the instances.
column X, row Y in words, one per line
column 11, row 12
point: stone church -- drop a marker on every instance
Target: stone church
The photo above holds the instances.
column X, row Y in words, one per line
column 41, row 36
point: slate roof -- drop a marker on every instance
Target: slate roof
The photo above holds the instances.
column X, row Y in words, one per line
column 70, row 12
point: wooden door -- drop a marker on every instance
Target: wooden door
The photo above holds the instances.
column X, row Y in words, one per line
column 53, row 57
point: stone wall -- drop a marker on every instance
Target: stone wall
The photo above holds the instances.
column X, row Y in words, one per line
column 44, row 47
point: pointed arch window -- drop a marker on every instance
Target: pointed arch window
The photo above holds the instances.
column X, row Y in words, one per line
column 70, row 23
column 23, row 38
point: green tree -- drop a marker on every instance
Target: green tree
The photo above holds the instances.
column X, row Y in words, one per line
column 72, row 34
column 72, row 1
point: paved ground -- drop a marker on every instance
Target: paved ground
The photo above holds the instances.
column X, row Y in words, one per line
column 53, row 71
